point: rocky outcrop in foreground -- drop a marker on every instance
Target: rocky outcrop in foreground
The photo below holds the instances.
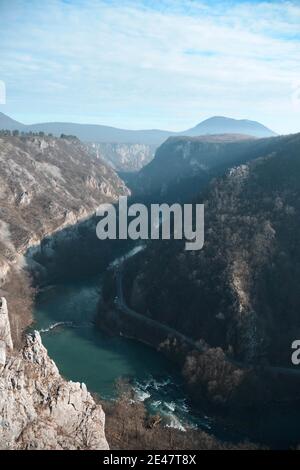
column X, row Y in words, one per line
column 41, row 410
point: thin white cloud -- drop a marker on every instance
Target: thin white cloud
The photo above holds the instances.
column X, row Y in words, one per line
column 166, row 64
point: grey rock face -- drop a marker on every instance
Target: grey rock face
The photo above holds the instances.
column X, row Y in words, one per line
column 46, row 184
column 2, row 353
column 5, row 334
column 41, row 410
column 123, row 157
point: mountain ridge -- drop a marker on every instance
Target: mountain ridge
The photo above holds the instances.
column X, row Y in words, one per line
column 232, row 126
column 182, row 163
column 102, row 133
column 240, row 287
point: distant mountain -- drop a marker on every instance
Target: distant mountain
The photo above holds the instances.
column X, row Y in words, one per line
column 133, row 149
column 99, row 133
column 90, row 132
column 224, row 125
column 10, row 124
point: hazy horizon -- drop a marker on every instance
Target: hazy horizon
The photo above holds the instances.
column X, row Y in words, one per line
column 134, row 129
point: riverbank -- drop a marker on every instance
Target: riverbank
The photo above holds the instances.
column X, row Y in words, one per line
column 64, row 315
column 102, row 361
column 248, row 406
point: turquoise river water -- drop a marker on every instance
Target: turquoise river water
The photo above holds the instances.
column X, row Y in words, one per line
column 64, row 316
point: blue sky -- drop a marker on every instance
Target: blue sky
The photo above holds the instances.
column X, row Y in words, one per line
column 151, row 64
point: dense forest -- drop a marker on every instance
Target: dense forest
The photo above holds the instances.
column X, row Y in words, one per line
column 238, row 296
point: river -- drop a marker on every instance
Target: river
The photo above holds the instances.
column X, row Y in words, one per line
column 64, row 315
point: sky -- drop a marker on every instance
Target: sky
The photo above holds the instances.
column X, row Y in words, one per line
column 165, row 64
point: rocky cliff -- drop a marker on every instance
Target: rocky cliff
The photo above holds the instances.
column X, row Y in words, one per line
column 38, row 408
column 46, row 184
column 182, row 166
column 243, row 285
column 123, row 157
